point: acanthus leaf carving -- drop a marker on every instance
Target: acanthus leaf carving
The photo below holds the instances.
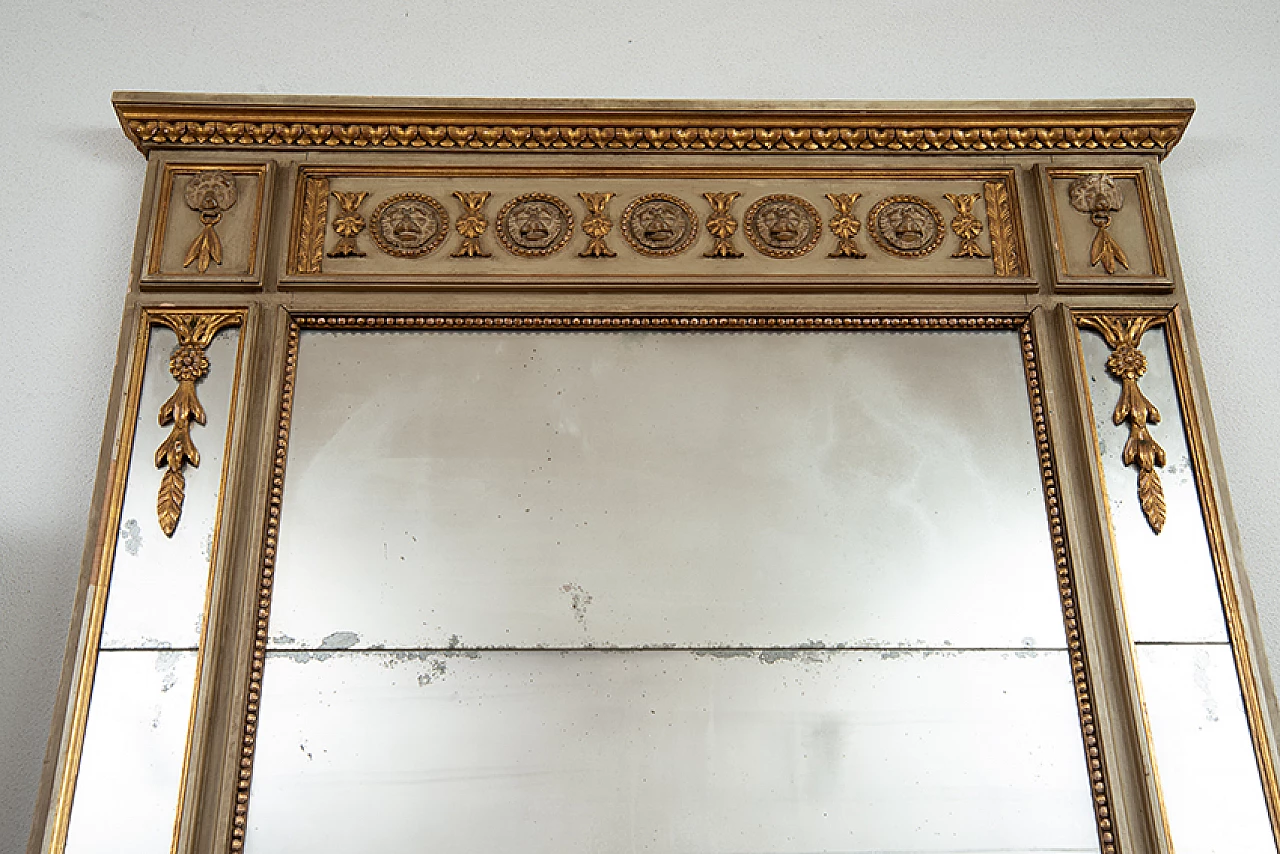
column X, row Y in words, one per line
column 1127, row 364
column 188, row 365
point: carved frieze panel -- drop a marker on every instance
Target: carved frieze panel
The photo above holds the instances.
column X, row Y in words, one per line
column 432, row 225
column 209, row 224
column 1104, row 230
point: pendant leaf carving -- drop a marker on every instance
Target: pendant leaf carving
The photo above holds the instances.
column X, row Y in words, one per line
column 210, row 194
column 1127, row 364
column 1099, row 196
column 188, row 365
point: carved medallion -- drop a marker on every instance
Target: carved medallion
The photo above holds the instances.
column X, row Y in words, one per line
column 409, row 225
column 658, row 224
column 534, row 225
column 782, row 226
column 906, row 226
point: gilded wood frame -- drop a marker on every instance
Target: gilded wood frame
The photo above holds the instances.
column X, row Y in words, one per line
column 289, row 143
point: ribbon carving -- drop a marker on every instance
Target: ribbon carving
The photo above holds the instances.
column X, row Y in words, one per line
column 845, row 225
column 1127, row 364
column 722, row 224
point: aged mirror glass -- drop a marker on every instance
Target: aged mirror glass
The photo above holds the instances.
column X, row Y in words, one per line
column 672, row 590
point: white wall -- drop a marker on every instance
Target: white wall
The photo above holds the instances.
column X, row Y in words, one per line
column 70, row 184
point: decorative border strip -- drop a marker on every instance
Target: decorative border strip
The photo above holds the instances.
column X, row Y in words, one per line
column 1254, row 700
column 188, row 121
column 309, row 223
column 75, row 729
column 1251, row 691
column 1020, row 323
column 1076, row 649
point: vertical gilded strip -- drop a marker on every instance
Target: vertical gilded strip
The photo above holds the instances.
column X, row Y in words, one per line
column 309, row 251
column 1005, row 256
column 1070, row 604
column 266, row 581
column 1236, row 629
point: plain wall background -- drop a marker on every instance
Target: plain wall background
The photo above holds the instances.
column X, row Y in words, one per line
column 70, row 185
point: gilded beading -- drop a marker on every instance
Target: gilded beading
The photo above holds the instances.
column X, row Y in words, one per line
column 1076, row 650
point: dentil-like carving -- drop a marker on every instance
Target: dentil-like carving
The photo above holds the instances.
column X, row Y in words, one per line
column 845, row 226
column 1099, row 196
column 471, row 224
column 597, row 225
column 188, row 365
column 1127, row 364
column 966, row 225
column 348, row 224
column 210, row 194
column 722, row 225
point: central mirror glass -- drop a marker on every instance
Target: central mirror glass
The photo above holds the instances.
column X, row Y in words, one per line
column 669, row 592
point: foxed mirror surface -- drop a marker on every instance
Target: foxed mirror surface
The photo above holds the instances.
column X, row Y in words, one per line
column 666, row 591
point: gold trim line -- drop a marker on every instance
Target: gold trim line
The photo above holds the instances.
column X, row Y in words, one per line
column 158, row 120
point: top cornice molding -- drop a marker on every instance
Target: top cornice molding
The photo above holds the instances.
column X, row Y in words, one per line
column 154, row 120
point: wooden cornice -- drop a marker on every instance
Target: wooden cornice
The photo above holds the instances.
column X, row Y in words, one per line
column 189, row 121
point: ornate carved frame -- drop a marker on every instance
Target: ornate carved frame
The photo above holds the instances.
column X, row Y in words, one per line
column 308, row 171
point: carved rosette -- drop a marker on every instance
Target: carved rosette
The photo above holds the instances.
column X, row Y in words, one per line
column 210, row 194
column 966, row 226
column 596, row 225
column 1099, row 196
column 188, row 365
column 472, row 224
column 1127, row 364
column 722, row 225
column 348, row 223
column 845, row 225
